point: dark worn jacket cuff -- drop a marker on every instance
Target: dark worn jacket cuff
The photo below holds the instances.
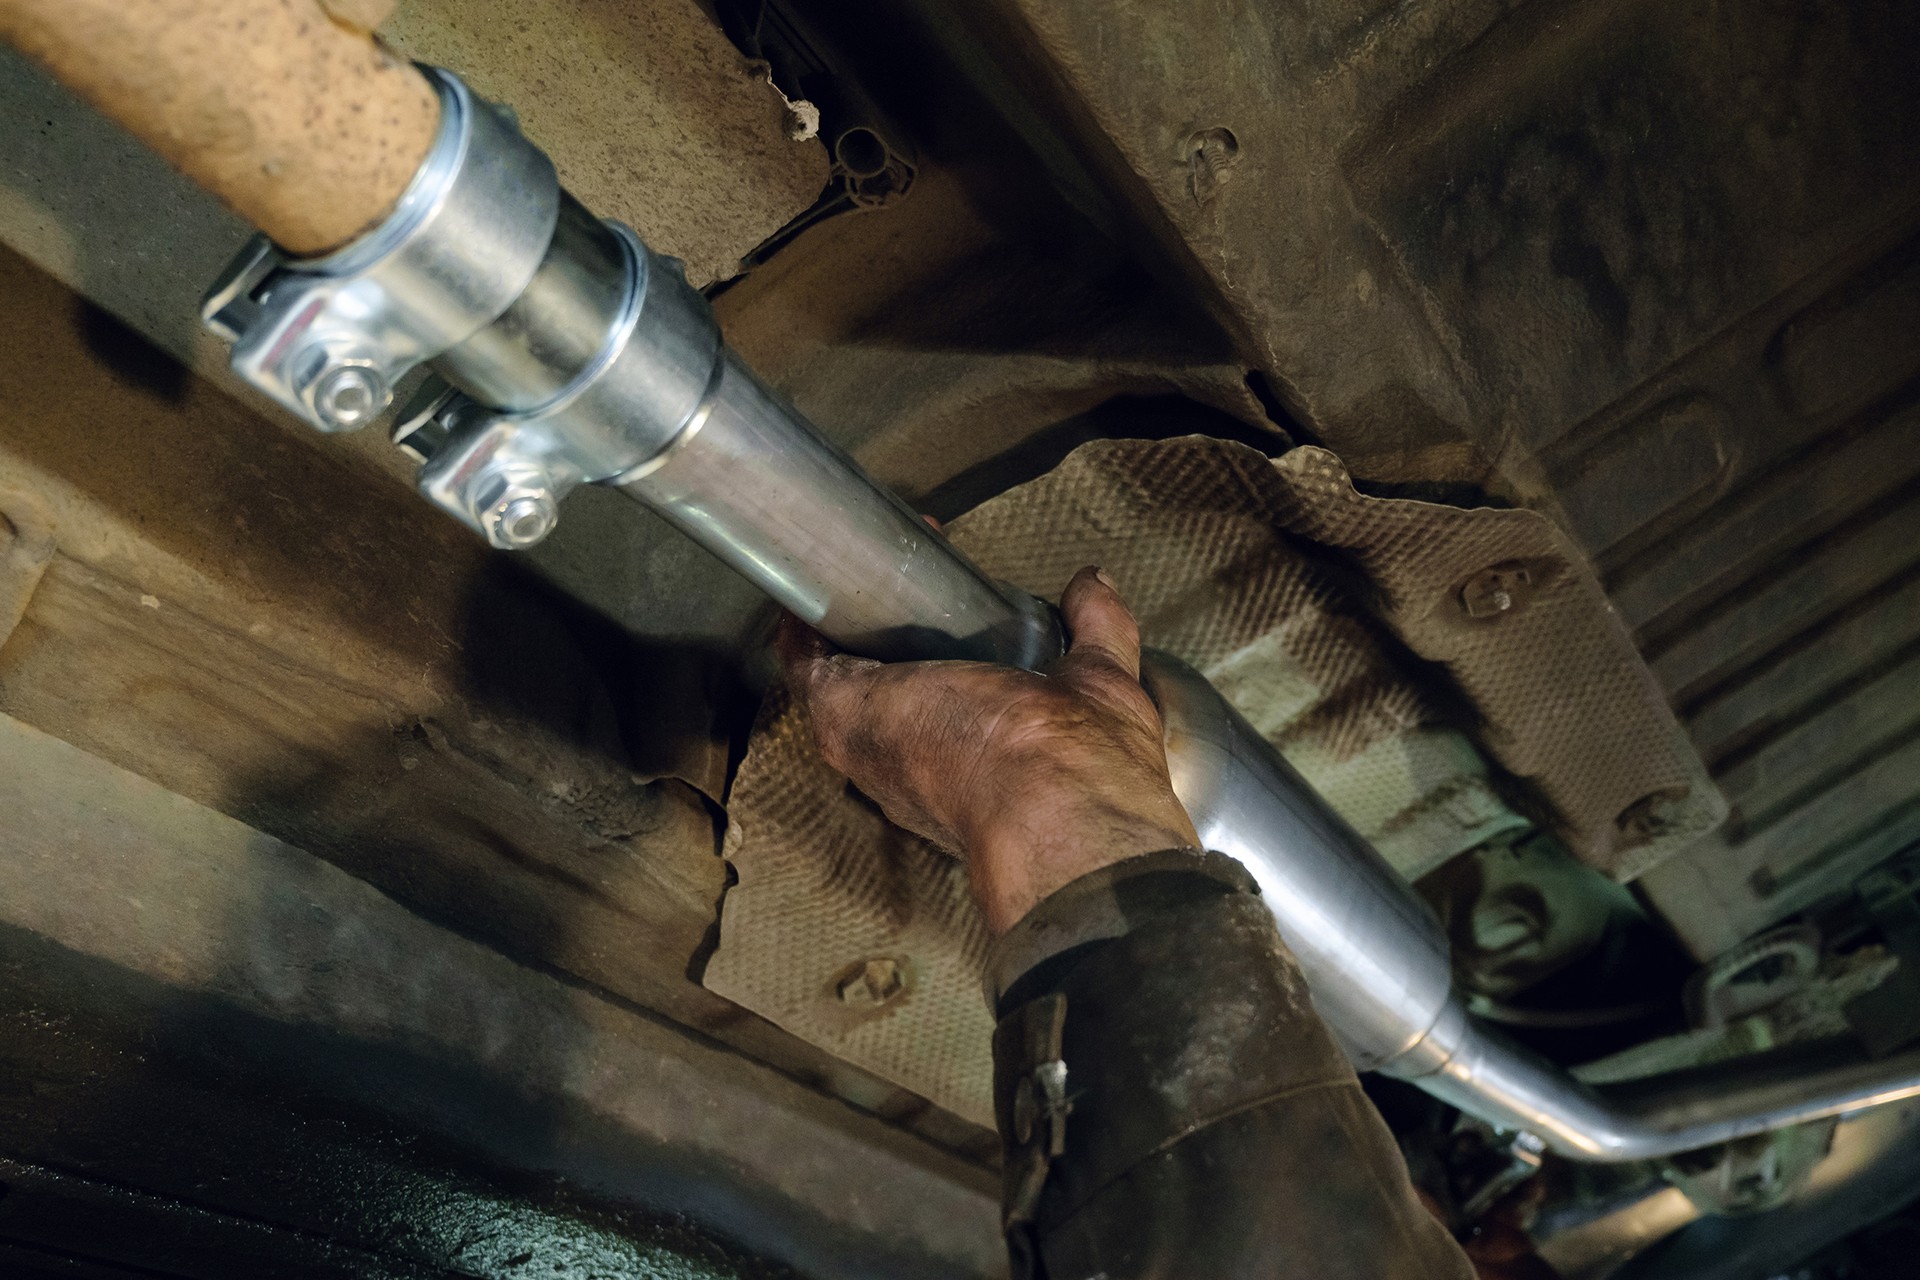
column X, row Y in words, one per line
column 1170, row 1104
column 1107, row 904
column 1164, row 987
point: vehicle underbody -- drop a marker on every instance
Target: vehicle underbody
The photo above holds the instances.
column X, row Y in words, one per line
column 1513, row 410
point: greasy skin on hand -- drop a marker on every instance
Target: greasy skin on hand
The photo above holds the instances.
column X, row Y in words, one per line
column 1035, row 778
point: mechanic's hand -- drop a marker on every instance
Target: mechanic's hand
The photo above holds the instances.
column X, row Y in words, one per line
column 1035, row 779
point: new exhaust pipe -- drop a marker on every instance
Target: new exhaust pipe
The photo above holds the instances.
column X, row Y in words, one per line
column 566, row 352
column 1376, row 962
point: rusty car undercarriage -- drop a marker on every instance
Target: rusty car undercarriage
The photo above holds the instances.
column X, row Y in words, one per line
column 1504, row 418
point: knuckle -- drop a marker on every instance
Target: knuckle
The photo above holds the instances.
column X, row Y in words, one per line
column 1026, row 718
column 1107, row 677
column 1036, row 717
column 832, row 750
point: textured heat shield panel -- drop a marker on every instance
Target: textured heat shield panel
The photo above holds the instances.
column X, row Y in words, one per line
column 860, row 938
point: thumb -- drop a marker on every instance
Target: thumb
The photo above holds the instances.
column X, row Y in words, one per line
column 801, row 650
column 1099, row 624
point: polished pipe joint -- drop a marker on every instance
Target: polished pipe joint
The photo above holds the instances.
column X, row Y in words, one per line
column 329, row 338
column 1473, row 1067
column 577, row 355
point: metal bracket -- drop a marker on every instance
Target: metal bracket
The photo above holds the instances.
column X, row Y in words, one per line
column 496, row 476
column 504, row 474
column 328, row 338
column 474, row 234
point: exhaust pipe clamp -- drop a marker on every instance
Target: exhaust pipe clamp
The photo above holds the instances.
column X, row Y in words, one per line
column 328, row 338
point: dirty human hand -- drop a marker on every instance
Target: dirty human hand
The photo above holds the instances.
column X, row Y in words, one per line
column 1035, row 778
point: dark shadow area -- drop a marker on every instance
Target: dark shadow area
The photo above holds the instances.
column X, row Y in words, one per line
column 131, row 355
column 171, row 1134
column 1856, row 1220
column 1063, row 274
column 1123, row 418
column 645, row 703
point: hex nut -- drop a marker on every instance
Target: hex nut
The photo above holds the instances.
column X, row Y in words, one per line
column 872, row 983
column 1497, row 590
column 340, row 386
column 520, row 515
column 349, row 396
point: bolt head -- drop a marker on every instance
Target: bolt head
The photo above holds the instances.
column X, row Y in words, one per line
column 521, row 516
column 1503, row 588
column 872, row 983
column 348, row 396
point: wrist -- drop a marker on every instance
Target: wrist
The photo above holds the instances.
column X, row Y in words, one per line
column 1023, row 859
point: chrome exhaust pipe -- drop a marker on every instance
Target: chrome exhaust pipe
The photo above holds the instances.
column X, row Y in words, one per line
column 1376, row 963
column 606, row 367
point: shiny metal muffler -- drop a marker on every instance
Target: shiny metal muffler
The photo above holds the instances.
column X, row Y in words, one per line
column 564, row 351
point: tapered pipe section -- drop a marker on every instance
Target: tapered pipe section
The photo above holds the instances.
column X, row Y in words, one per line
column 302, row 125
column 1376, row 963
column 1489, row 1076
column 1373, row 955
column 759, row 486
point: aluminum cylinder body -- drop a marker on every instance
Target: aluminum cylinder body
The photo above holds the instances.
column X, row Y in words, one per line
column 759, row 486
column 1483, row 1073
column 609, row 369
column 556, row 327
column 1376, row 962
column 1373, row 954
